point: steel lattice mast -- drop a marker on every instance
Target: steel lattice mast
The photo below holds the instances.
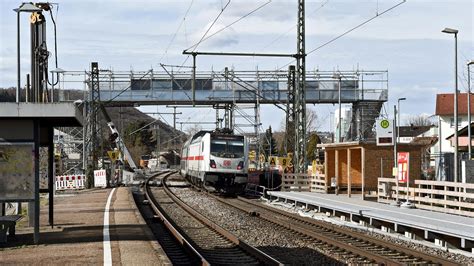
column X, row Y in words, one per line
column 93, row 126
column 300, row 95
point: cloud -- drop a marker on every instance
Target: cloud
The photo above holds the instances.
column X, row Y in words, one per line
column 407, row 41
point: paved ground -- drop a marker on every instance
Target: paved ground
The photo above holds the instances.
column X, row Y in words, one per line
column 77, row 237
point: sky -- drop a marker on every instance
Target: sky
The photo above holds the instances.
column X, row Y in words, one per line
column 139, row 35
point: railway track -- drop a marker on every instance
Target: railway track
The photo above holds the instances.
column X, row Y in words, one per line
column 204, row 241
column 360, row 248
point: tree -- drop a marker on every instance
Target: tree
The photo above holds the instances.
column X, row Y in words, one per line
column 311, row 149
column 312, row 124
column 269, row 144
column 139, row 142
column 419, row 120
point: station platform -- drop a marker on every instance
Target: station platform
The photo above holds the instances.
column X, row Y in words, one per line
column 81, row 234
column 446, row 230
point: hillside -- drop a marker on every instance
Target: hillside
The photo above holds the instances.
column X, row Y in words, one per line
column 127, row 120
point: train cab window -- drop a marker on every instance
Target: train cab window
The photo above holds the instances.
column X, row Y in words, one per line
column 227, row 148
column 236, row 148
column 218, row 147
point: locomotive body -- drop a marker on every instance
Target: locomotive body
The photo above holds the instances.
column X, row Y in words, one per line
column 216, row 161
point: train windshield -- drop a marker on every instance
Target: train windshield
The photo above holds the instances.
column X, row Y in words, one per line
column 227, row 148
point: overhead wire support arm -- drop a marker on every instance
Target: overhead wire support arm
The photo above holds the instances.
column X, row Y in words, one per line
column 241, row 54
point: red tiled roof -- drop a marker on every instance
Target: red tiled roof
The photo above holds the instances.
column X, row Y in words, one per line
column 445, row 104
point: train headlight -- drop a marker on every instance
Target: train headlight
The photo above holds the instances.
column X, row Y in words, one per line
column 212, row 164
column 240, row 165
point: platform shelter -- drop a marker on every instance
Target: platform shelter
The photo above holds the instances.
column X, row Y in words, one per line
column 355, row 166
column 24, row 129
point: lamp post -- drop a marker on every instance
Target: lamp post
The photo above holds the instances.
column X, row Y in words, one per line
column 398, row 118
column 56, row 71
column 24, row 7
column 395, row 157
column 469, row 107
column 455, row 32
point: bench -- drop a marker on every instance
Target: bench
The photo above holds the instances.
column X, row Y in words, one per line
column 7, row 224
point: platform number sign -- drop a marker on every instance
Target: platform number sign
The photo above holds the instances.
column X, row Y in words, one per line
column 113, row 155
column 385, row 132
column 272, row 161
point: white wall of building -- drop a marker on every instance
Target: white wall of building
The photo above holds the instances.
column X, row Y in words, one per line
column 447, row 129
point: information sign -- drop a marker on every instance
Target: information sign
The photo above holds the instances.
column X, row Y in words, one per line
column 385, row 132
column 403, row 166
column 17, row 178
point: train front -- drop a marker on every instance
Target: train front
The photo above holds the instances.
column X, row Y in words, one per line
column 227, row 163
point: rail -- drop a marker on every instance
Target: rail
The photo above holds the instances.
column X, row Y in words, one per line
column 355, row 242
column 443, row 196
column 261, row 256
column 178, row 236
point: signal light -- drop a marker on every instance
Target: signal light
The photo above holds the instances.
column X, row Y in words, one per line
column 212, row 164
column 113, row 137
column 240, row 165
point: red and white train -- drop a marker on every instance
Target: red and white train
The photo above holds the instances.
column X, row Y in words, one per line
column 216, row 161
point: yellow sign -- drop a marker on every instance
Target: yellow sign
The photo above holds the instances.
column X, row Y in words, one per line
column 394, row 171
column 252, row 155
column 262, row 158
column 284, row 161
column 113, row 155
column 272, row 161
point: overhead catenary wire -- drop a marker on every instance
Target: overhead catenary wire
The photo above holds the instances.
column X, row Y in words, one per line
column 292, row 28
column 348, row 31
column 356, row 27
column 177, row 30
column 231, row 24
column 207, row 31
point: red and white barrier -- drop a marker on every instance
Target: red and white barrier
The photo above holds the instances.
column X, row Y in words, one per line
column 64, row 182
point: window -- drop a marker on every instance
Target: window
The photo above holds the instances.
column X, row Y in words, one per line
column 451, row 122
column 227, row 148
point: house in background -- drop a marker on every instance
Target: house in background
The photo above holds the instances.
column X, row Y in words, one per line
column 463, row 140
column 445, row 113
column 409, row 133
column 446, row 129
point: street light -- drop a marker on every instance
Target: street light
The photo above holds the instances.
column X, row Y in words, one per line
column 469, row 106
column 56, row 71
column 399, row 121
column 455, row 32
column 24, row 7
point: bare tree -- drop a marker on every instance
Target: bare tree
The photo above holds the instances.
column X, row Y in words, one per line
column 419, row 120
column 312, row 125
column 312, row 121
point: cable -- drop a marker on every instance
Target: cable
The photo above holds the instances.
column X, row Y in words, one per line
column 176, row 32
column 234, row 22
column 207, row 31
column 290, row 29
column 210, row 27
column 348, row 31
column 55, row 44
column 356, row 27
